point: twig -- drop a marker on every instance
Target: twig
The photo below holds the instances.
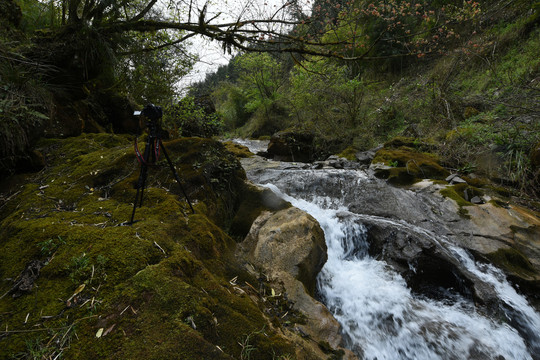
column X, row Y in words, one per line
column 160, row 248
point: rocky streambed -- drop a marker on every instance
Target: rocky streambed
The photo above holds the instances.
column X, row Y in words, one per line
column 410, row 270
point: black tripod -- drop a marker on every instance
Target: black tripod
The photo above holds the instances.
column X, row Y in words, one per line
column 154, row 146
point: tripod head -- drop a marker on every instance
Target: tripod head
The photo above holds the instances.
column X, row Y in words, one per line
column 152, row 114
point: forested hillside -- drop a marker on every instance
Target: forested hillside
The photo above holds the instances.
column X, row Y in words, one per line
column 467, row 83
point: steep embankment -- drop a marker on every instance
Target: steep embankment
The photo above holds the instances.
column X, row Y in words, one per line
column 77, row 281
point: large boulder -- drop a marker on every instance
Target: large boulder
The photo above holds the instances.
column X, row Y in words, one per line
column 288, row 246
column 291, row 146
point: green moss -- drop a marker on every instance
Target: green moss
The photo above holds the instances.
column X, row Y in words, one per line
column 349, row 153
column 452, row 193
column 504, row 192
column 498, row 203
column 396, row 176
column 415, row 164
column 440, row 182
column 477, row 182
column 512, row 261
column 238, row 150
column 162, row 275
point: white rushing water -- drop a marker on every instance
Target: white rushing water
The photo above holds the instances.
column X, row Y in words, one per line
column 380, row 316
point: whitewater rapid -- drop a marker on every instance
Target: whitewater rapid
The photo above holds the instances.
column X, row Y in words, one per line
column 381, row 317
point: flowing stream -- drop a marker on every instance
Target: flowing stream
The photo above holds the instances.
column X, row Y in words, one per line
column 381, row 317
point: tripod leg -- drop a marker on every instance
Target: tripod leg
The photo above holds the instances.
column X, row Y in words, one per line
column 140, row 185
column 176, row 176
column 142, row 177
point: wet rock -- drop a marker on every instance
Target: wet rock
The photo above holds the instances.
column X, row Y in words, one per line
column 476, row 200
column 335, row 162
column 255, row 200
column 289, row 247
column 455, row 179
column 426, row 266
column 365, row 157
column 291, row 146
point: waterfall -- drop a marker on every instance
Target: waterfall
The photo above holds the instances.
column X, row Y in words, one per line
column 381, row 317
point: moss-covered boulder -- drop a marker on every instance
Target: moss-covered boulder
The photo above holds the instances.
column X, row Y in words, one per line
column 405, row 161
column 237, row 149
column 292, row 146
column 78, row 281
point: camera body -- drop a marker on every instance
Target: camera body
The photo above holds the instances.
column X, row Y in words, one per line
column 152, row 112
column 152, row 115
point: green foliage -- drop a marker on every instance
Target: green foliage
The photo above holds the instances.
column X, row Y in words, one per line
column 152, row 76
column 388, row 31
column 24, row 101
column 260, row 80
column 79, row 268
column 325, row 99
column 189, row 119
column 37, row 15
column 49, row 246
column 231, row 105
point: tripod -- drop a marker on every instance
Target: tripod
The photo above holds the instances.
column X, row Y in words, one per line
column 154, row 146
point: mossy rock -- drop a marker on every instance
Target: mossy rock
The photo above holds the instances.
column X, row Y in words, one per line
column 349, row 153
column 514, row 262
column 158, row 289
column 461, row 194
column 238, row 150
column 476, row 181
column 502, row 191
column 396, row 176
column 416, row 164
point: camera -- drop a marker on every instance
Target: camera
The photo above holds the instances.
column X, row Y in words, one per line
column 151, row 112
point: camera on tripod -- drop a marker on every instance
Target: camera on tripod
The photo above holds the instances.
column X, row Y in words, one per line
column 154, row 146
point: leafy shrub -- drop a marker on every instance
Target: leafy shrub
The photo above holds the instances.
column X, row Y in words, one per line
column 189, row 119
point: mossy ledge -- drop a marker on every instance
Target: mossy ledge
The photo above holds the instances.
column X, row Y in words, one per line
column 159, row 289
column 406, row 162
column 459, row 193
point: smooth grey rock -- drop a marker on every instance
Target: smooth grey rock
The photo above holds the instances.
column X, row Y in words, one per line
column 477, row 200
